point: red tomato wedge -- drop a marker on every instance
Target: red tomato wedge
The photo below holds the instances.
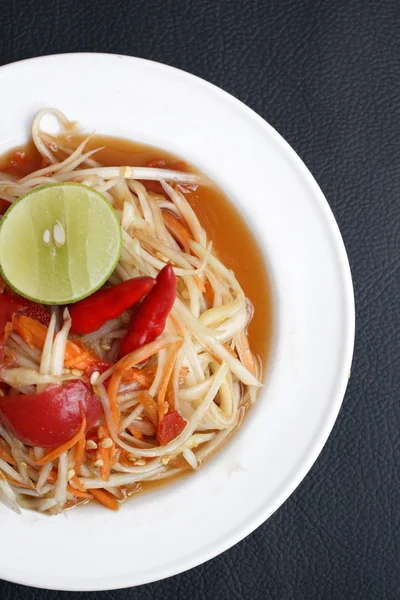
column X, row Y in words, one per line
column 52, row 417
column 170, row 427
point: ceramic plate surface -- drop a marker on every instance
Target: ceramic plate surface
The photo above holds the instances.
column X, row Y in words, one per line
column 182, row 525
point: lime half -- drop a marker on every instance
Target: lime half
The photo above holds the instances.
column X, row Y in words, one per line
column 59, row 243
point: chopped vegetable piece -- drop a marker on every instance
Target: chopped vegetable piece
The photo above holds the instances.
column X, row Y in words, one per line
column 105, row 498
column 150, row 406
column 177, row 230
column 92, row 312
column 171, row 425
column 149, row 321
column 52, row 417
column 76, row 355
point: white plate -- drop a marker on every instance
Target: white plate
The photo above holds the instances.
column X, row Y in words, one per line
column 183, row 525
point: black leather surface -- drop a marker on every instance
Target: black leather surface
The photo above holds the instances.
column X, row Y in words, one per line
column 326, row 75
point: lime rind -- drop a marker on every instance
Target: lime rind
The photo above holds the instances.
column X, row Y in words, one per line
column 62, row 268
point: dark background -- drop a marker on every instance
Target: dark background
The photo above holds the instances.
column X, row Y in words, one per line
column 326, row 75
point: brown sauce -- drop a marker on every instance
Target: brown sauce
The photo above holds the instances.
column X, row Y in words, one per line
column 232, row 239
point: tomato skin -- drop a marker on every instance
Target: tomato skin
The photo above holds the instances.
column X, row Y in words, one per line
column 101, row 366
column 9, row 305
column 52, row 417
column 108, row 303
column 35, row 311
column 170, row 427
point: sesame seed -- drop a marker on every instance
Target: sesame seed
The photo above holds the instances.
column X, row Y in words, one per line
column 106, row 443
column 105, row 346
column 140, row 462
column 165, row 460
column 98, row 464
column 125, row 318
column 71, row 474
column 46, row 236
column 23, row 464
column 131, row 458
column 91, row 445
column 58, row 234
column 76, row 372
column 94, row 377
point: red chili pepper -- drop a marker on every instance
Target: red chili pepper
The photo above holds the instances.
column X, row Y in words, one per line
column 170, row 427
column 52, row 417
column 149, row 321
column 92, row 312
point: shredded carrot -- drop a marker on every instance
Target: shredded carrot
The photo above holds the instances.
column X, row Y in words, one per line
column 169, row 397
column 105, row 498
column 209, row 294
column 135, row 357
column 31, row 331
column 123, row 365
column 199, row 284
column 52, row 476
column 77, row 483
column 177, row 230
column 143, row 376
column 7, row 457
column 64, row 447
column 25, row 486
column 76, row 361
column 150, row 406
column 135, row 432
column 112, row 390
column 79, row 453
column 34, row 334
column 166, row 375
column 244, row 352
column 230, row 350
column 176, row 324
column 78, row 493
column 105, row 454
